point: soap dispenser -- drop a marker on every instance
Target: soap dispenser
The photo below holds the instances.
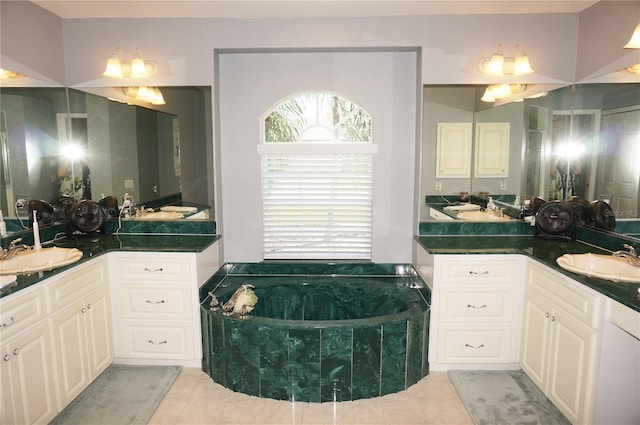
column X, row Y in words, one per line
column 490, row 204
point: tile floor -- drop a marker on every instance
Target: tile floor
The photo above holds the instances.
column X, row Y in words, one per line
column 194, row 399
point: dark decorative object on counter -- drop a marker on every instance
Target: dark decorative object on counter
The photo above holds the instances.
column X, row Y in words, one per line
column 555, row 220
column 601, row 216
column 110, row 206
column 87, row 217
column 44, row 212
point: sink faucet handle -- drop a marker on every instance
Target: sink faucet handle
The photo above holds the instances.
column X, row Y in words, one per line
column 631, row 249
column 14, row 242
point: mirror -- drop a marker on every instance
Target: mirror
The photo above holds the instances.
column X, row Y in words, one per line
column 600, row 119
column 150, row 154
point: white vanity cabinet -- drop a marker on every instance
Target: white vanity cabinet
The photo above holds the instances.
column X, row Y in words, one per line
column 81, row 327
column 157, row 316
column 561, row 340
column 26, row 365
column 475, row 311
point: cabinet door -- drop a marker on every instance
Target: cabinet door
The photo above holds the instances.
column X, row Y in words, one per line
column 71, row 359
column 571, row 356
column 97, row 315
column 453, row 150
column 27, row 378
column 535, row 339
column 492, row 149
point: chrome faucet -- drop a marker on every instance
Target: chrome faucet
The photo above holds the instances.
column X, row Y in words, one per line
column 631, row 255
column 14, row 248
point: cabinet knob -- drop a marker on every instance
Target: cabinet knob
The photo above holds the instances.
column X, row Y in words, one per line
column 83, row 310
column 89, row 306
column 6, row 357
column 16, row 351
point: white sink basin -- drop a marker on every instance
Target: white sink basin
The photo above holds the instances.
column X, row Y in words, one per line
column 601, row 266
column 7, row 280
column 160, row 215
column 39, row 260
column 480, row 216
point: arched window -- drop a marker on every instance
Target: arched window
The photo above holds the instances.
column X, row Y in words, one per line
column 317, row 178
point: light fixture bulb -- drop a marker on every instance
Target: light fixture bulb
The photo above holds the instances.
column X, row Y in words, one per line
column 634, row 43
column 522, row 66
column 496, row 64
column 158, row 99
column 114, row 66
column 144, row 94
column 138, row 68
column 487, row 96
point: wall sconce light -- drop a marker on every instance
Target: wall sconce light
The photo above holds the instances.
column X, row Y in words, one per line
column 501, row 91
column 634, row 43
column 498, row 65
column 5, row 74
column 151, row 95
column 633, row 69
column 137, row 68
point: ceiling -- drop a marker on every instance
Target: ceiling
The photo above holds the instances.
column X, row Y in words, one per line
column 69, row 9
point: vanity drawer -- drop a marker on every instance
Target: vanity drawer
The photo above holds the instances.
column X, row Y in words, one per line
column 144, row 301
column 579, row 302
column 21, row 311
column 73, row 285
column 154, row 268
column 152, row 340
column 483, row 270
column 469, row 305
column 468, row 344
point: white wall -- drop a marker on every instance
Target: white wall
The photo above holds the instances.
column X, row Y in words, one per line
column 384, row 83
column 452, row 45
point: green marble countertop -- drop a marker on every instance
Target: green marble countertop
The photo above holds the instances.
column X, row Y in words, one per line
column 92, row 247
column 544, row 251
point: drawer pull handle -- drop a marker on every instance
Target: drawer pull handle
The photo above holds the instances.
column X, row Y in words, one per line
column 474, row 346
column 476, row 306
column 147, row 269
column 157, row 343
column 6, row 357
column 9, row 323
column 154, row 302
column 484, row 273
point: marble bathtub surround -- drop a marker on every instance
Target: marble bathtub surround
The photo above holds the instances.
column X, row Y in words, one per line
column 316, row 336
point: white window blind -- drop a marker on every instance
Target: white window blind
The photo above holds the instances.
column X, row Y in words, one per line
column 317, row 178
column 317, row 205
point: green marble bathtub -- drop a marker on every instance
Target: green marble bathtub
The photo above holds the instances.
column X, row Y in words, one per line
column 318, row 336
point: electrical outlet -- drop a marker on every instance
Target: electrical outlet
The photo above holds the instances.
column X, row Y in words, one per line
column 503, row 184
column 438, row 184
column 21, row 201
